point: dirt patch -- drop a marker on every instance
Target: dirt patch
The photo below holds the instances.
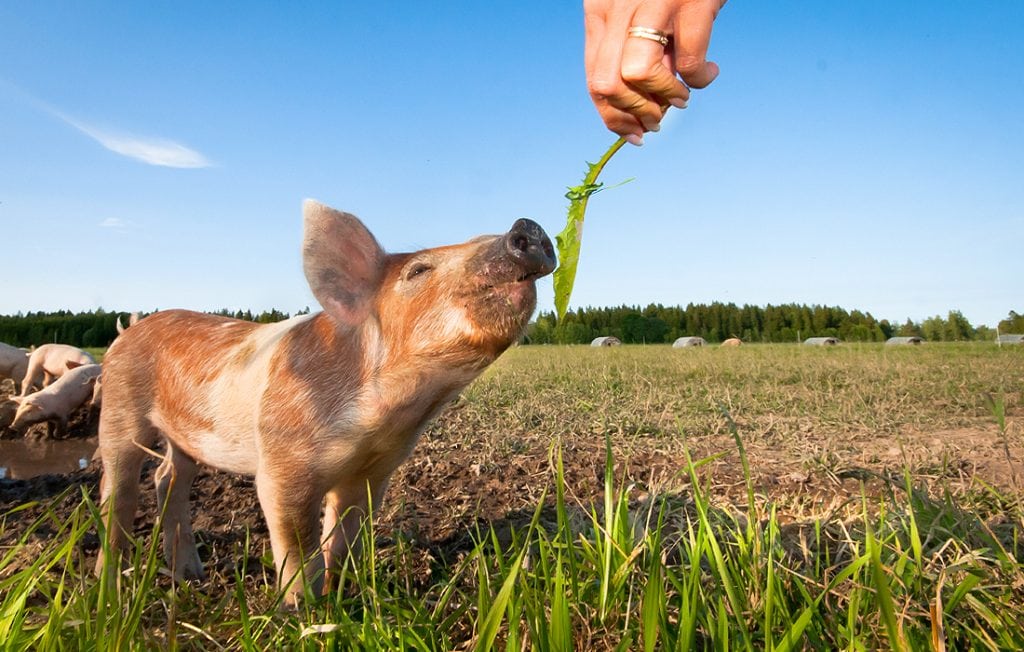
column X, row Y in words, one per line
column 487, row 460
column 450, row 487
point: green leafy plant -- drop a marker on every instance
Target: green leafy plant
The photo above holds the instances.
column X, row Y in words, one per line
column 569, row 239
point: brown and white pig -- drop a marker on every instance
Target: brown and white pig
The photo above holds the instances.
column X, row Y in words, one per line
column 56, row 402
column 319, row 407
column 51, row 361
column 13, row 364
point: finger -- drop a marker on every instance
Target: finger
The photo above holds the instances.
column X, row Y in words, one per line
column 643, row 60
column 645, row 113
column 619, row 121
column 602, row 53
column 598, row 81
column 605, row 83
column 693, row 25
column 622, row 123
column 593, row 33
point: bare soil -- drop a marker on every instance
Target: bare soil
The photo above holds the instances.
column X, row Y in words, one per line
column 451, row 488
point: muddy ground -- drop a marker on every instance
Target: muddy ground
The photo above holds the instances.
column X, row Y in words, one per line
column 486, row 462
column 451, row 488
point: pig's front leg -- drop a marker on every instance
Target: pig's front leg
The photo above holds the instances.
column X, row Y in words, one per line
column 292, row 508
column 347, row 510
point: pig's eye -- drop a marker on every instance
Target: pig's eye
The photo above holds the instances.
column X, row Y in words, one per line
column 417, row 269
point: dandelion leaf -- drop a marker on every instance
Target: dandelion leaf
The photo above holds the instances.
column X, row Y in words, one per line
column 569, row 240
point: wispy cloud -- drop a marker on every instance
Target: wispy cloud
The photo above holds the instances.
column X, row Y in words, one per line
column 154, row 151
column 117, row 224
column 147, row 149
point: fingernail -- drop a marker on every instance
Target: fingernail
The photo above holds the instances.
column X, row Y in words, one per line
column 633, row 139
column 652, row 126
column 678, row 102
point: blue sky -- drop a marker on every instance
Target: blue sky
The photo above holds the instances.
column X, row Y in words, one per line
column 155, row 155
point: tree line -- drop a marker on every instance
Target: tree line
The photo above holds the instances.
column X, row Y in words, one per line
column 715, row 322
column 95, row 328
column 631, row 324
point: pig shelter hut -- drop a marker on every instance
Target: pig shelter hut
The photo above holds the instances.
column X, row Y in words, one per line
column 904, row 341
column 1010, row 338
column 606, row 340
column 686, row 342
column 821, row 341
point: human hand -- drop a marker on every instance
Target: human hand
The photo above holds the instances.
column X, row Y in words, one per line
column 632, row 80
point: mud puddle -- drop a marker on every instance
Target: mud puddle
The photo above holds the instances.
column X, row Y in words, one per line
column 28, row 458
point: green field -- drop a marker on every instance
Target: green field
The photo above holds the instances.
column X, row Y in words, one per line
column 766, row 497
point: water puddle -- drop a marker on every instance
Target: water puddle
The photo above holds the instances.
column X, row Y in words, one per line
column 20, row 458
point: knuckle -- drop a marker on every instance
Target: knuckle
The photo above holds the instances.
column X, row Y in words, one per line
column 621, row 126
column 687, row 64
column 635, row 104
column 638, row 72
column 603, row 88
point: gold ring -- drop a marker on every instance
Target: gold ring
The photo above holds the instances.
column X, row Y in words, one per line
column 650, row 34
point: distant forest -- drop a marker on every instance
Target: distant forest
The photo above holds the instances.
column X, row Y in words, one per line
column 90, row 329
column 718, row 321
column 631, row 324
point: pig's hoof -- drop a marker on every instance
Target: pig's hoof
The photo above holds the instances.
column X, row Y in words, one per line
column 292, row 602
column 191, row 568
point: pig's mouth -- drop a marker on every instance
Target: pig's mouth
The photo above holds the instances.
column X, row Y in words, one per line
column 531, row 276
column 506, row 271
column 528, row 277
column 522, row 255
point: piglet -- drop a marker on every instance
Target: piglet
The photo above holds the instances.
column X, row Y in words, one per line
column 320, row 408
column 50, row 361
column 55, row 403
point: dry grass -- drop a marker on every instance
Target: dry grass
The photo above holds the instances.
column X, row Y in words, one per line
column 814, row 421
column 764, row 497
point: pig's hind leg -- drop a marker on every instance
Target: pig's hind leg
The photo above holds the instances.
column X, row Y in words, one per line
column 124, row 443
column 173, row 484
column 33, row 378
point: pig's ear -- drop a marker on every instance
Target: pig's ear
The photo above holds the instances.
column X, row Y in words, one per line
column 342, row 261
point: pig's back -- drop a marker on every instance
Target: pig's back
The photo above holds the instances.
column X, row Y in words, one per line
column 73, row 388
column 55, row 357
column 170, row 341
column 197, row 378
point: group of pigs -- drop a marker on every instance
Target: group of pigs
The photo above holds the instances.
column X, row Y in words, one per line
column 50, row 382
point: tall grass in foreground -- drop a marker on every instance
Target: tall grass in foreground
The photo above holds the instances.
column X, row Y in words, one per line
column 671, row 572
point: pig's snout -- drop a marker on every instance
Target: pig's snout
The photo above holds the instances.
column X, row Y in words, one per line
column 531, row 248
